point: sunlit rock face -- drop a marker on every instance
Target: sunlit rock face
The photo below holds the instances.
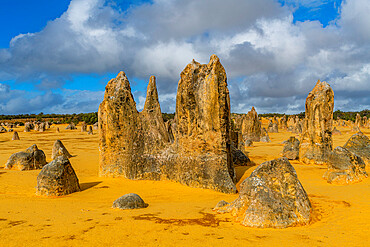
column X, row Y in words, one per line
column 197, row 152
column 316, row 139
column 272, row 196
column 359, row 144
column 251, row 126
column 345, row 167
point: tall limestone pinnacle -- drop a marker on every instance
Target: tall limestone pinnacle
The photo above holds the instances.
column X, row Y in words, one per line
column 203, row 126
column 138, row 145
column 316, row 139
column 251, row 126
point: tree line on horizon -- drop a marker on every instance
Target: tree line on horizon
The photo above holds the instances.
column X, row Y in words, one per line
column 92, row 117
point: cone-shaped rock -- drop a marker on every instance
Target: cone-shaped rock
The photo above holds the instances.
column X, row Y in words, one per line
column 32, row 158
column 251, row 126
column 271, row 196
column 152, row 116
column 58, row 149
column 83, row 127
column 203, row 127
column 57, row 178
column 129, row 201
column 360, row 145
column 15, row 136
column 345, row 167
column 316, row 139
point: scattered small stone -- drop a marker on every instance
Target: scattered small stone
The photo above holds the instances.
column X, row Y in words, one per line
column 129, row 201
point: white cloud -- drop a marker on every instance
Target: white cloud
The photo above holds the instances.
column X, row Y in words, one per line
column 271, row 62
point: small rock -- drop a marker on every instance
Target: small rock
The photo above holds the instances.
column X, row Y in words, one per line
column 32, row 158
column 360, row 145
column 15, row 136
column 129, row 201
column 291, row 148
column 249, row 143
column 221, row 204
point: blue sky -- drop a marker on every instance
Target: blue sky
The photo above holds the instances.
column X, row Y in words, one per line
column 58, row 55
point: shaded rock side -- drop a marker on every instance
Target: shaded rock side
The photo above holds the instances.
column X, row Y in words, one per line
column 129, row 141
column 59, row 149
column 129, row 201
column 291, row 149
column 90, row 132
column 272, row 196
column 57, row 178
column 359, row 144
column 251, row 126
column 316, row 139
column 32, row 158
column 344, row 167
column 264, row 136
column 203, row 126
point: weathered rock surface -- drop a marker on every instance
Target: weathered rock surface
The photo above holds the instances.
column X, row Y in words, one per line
column 15, row 136
column 96, row 126
column 291, row 148
column 57, row 178
column 248, row 143
column 316, row 139
column 129, row 201
column 59, row 149
column 32, row 158
column 251, row 126
column 344, row 167
column 137, row 145
column 2, row 130
column 27, row 127
column 271, row 196
column 360, row 145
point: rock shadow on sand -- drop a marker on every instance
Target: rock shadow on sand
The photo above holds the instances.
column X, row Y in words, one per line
column 86, row 186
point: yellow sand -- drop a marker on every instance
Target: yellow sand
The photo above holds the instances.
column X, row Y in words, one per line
column 177, row 215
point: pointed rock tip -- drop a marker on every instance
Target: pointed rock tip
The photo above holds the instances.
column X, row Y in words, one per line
column 214, row 58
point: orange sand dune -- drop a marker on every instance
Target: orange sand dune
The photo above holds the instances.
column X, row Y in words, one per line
column 177, row 215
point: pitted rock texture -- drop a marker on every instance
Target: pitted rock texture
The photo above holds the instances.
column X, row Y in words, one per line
column 129, row 201
column 291, row 148
column 345, row 167
column 360, row 145
column 59, row 149
column 32, row 158
column 272, row 196
column 316, row 139
column 251, row 126
column 138, row 145
column 57, row 178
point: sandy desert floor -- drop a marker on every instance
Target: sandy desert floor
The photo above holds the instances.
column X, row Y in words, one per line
column 177, row 215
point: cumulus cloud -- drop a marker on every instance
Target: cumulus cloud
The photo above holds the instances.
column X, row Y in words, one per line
column 271, row 60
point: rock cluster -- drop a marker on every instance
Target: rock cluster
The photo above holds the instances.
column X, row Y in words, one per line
column 271, row 196
column 137, row 145
column 344, row 167
column 32, row 158
column 57, row 178
column 316, row 139
column 129, row 201
column 71, row 126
